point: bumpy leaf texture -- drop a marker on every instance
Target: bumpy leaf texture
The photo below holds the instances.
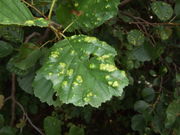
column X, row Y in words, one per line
column 86, row 14
column 80, row 70
column 14, row 12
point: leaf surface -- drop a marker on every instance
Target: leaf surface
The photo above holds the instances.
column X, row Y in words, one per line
column 5, row 49
column 82, row 71
column 86, row 14
column 162, row 10
column 52, row 126
column 14, row 12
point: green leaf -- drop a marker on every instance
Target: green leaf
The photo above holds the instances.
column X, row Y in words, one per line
column 82, row 71
column 164, row 32
column 47, row 95
column 12, row 33
column 148, row 94
column 172, row 112
column 52, row 126
column 7, row 131
column 14, row 12
column 138, row 122
column 86, row 14
column 135, row 37
column 177, row 93
column 177, row 77
column 24, row 60
column 147, row 52
column 75, row 130
column 140, row 106
column 25, row 82
column 2, row 120
column 5, row 49
column 162, row 10
column 177, row 8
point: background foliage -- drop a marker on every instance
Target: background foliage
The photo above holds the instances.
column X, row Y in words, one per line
column 75, row 67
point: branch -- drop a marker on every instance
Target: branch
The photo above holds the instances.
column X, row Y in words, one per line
column 51, row 9
column 37, row 10
column 28, row 38
column 28, row 119
column 123, row 3
column 13, row 105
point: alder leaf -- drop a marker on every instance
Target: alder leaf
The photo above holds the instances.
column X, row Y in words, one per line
column 86, row 14
column 135, row 37
column 14, row 12
column 172, row 112
column 5, row 49
column 82, row 71
column 52, row 126
column 162, row 10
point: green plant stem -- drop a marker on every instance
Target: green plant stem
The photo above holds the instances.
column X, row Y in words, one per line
column 51, row 9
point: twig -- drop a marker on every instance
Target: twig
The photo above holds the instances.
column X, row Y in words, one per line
column 51, row 9
column 159, row 96
column 28, row 38
column 49, row 41
column 28, row 119
column 123, row 3
column 37, row 10
column 157, row 24
column 13, row 105
column 44, row 36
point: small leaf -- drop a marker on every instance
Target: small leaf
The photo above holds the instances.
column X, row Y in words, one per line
column 172, row 112
column 52, row 126
column 138, row 123
column 16, row 13
column 140, row 106
column 2, row 120
column 164, row 32
column 86, row 14
column 5, row 49
column 7, row 131
column 24, row 60
column 177, row 8
column 147, row 52
column 25, row 82
column 75, row 130
column 162, row 10
column 177, row 77
column 13, row 34
column 82, row 71
column 148, row 94
column 21, row 124
column 135, row 37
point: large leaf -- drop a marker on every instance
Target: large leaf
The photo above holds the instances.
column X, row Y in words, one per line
column 82, row 71
column 14, row 12
column 86, row 14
